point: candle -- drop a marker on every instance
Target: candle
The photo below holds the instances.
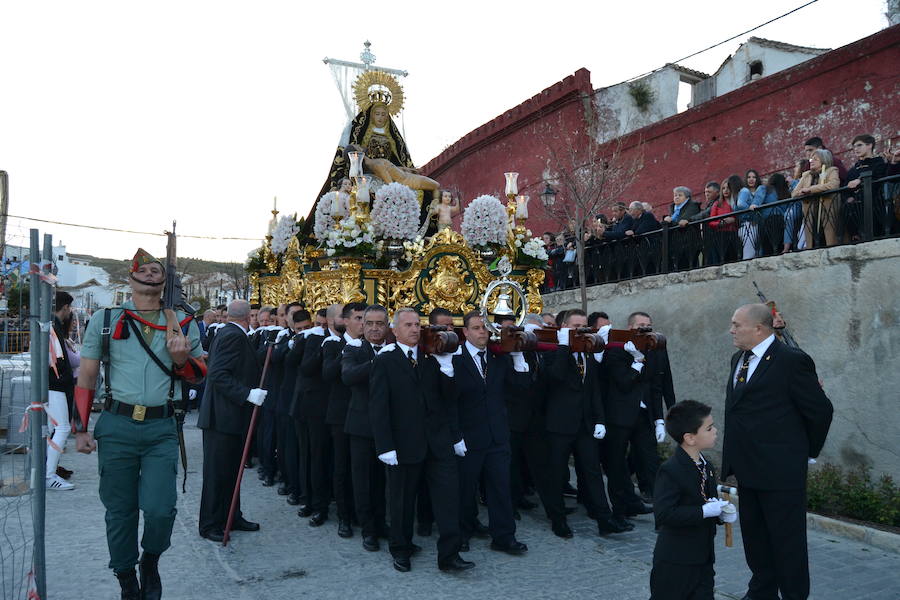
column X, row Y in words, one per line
column 275, row 204
column 511, row 188
column 362, row 191
column 335, row 203
column 521, row 207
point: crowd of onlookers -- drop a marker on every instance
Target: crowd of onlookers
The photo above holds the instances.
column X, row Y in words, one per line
column 617, row 247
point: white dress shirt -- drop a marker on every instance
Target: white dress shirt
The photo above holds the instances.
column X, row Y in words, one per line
column 473, row 352
column 405, row 349
column 758, row 352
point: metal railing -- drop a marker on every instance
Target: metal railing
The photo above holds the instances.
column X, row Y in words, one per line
column 840, row 216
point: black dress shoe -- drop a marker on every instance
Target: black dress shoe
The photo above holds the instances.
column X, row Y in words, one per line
column 304, row 511
column 268, row 481
column 516, row 548
column 424, row 530
column 243, row 524
column 621, row 522
column 480, row 530
column 129, row 583
column 293, row 499
column 456, row 564
column 282, row 491
column 561, row 529
column 213, row 535
column 464, row 546
column 344, row 528
column 371, row 544
column 151, row 586
column 317, row 519
column 608, row 525
column 402, row 565
column 526, row 504
column 643, row 509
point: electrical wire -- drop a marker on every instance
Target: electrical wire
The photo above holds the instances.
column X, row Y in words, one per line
column 195, row 237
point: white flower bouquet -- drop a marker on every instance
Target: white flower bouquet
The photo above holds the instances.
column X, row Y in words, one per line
column 284, row 231
column 324, row 221
column 530, row 252
column 413, row 248
column 350, row 238
column 484, row 222
column 395, row 212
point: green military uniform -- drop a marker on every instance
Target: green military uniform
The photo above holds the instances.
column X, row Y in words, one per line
column 137, row 458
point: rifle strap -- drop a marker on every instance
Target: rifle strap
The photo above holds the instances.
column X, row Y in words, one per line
column 104, row 355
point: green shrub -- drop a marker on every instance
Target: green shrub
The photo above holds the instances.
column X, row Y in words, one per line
column 853, row 494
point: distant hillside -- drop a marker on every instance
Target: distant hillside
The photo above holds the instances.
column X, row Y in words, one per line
column 118, row 269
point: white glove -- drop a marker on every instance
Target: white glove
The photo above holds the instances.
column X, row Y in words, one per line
column 313, row 331
column 389, row 458
column 291, row 344
column 192, row 394
column 729, row 513
column 713, row 508
column 520, row 365
column 562, row 336
column 257, row 396
column 810, row 461
column 446, row 362
column 660, row 430
column 598, row 356
column 530, row 327
column 604, row 333
column 460, row 448
column 599, row 431
column 633, row 351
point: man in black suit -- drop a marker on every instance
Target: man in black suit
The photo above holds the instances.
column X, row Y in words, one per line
column 224, row 418
column 776, row 417
column 366, row 471
column 575, row 421
column 298, row 320
column 415, row 423
column 483, row 381
column 314, row 406
column 336, row 413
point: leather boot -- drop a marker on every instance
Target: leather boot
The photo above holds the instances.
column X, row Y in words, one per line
column 151, row 586
column 129, row 583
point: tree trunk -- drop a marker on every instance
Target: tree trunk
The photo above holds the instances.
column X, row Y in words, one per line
column 579, row 256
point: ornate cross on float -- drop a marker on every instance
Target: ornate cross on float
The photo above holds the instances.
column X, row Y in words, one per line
column 345, row 74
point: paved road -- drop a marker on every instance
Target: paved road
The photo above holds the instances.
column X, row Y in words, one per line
column 288, row 559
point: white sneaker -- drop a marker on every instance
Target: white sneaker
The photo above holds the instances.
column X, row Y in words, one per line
column 55, row 482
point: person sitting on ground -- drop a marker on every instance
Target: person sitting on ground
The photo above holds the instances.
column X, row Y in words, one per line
column 819, row 214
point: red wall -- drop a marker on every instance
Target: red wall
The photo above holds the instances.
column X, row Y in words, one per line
column 854, row 89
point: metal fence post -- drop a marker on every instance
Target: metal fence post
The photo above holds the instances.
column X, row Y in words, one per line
column 664, row 250
column 39, row 358
column 868, row 206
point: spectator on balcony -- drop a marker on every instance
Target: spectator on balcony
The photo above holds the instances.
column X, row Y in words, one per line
column 685, row 242
column 800, row 168
column 682, row 206
column 549, row 245
column 852, row 206
column 720, row 237
column 752, row 196
column 779, row 223
column 641, row 220
column 711, row 192
column 650, row 209
column 816, row 143
column 555, row 254
column 820, row 213
column 621, row 223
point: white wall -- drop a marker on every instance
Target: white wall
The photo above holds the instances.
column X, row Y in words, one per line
column 734, row 72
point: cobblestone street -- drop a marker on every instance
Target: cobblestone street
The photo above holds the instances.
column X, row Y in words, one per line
column 289, row 559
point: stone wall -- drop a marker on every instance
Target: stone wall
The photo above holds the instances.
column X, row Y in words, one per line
column 842, row 306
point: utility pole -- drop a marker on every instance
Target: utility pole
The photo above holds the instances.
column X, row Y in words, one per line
column 4, row 209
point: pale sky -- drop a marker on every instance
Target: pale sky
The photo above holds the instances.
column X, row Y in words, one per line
column 129, row 115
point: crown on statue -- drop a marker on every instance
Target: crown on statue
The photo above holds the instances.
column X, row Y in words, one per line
column 378, row 87
column 378, row 95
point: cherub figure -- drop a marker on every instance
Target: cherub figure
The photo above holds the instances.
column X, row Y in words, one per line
column 446, row 209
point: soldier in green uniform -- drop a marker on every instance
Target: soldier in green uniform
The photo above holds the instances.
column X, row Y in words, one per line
column 143, row 367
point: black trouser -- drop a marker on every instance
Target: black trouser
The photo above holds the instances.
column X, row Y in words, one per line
column 643, row 443
column 493, row 464
column 265, row 442
column 319, row 465
column 304, row 487
column 367, row 474
column 443, row 483
column 424, row 513
column 587, row 454
column 531, row 448
column 773, row 527
column 669, row 581
column 221, row 460
column 290, row 450
column 343, row 488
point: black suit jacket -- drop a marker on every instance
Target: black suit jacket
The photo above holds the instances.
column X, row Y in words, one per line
column 232, row 373
column 314, row 398
column 617, row 231
column 338, row 393
column 779, row 419
column 261, row 339
column 483, row 420
column 412, row 410
column 356, row 367
column 292, row 369
column 645, row 224
column 685, row 537
column 626, row 388
column 572, row 403
column 526, row 409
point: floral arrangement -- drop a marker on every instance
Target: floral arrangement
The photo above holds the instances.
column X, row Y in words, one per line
column 282, row 234
column 350, row 238
column 413, row 248
column 256, row 260
column 530, row 252
column 484, row 222
column 395, row 212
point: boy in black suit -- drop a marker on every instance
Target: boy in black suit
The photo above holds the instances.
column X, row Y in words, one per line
column 687, row 509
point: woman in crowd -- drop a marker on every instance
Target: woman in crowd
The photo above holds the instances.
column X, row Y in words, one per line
column 752, row 195
column 721, row 236
column 779, row 223
column 819, row 214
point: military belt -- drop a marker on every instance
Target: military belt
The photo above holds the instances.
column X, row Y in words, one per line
column 139, row 412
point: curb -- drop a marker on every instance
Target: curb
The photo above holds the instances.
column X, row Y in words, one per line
column 882, row 540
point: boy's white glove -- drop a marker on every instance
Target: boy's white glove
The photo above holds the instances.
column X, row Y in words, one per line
column 729, row 513
column 660, row 427
column 599, row 431
column 459, row 448
column 257, row 396
column 604, row 333
column 562, row 336
column 713, row 508
column 633, row 351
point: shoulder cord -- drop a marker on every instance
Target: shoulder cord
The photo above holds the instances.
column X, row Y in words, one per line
column 169, row 372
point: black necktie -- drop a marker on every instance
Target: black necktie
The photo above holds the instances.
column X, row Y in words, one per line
column 579, row 360
column 377, row 349
column 412, row 359
column 742, row 372
column 483, row 362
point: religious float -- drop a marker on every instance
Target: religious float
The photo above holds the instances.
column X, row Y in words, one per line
column 382, row 233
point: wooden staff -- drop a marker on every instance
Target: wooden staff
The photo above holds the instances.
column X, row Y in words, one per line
column 726, row 493
column 237, row 485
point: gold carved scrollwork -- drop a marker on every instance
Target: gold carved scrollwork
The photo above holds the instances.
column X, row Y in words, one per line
column 450, row 285
column 535, row 277
column 340, row 286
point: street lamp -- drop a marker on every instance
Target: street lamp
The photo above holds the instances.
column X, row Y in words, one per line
column 548, row 196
